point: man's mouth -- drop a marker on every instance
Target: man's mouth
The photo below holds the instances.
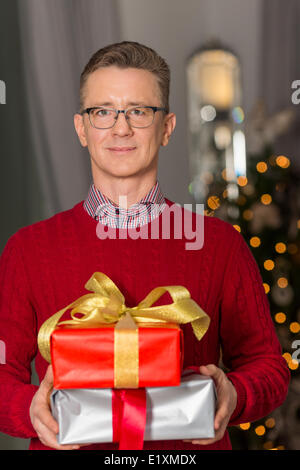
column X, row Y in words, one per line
column 121, row 149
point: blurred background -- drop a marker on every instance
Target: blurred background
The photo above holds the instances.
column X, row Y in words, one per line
column 235, row 74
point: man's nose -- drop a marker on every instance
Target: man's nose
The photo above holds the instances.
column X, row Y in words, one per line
column 122, row 126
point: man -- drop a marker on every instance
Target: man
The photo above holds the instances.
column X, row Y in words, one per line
column 123, row 121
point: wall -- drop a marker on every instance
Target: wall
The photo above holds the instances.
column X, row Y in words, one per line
column 175, row 29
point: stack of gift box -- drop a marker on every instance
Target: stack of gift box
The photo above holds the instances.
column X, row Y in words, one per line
column 118, row 371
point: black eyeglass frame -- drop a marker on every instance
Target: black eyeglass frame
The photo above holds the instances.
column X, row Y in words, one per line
column 124, row 111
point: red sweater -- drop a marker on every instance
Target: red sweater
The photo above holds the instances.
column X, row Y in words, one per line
column 45, row 266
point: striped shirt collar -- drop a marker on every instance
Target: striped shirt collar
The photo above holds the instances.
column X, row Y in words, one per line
column 103, row 209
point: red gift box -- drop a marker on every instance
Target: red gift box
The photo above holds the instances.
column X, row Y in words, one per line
column 114, row 346
column 85, row 357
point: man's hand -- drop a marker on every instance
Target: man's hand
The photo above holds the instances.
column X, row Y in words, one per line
column 41, row 417
column 226, row 402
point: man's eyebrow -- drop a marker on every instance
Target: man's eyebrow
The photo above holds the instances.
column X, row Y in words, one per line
column 107, row 103
column 136, row 103
column 131, row 103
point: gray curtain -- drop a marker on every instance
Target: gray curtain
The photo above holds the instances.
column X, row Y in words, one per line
column 20, row 191
column 280, row 66
column 281, row 51
column 57, row 38
column 44, row 45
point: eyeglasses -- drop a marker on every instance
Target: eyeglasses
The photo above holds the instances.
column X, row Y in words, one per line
column 138, row 116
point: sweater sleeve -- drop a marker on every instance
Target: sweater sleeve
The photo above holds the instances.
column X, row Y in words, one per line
column 18, row 335
column 251, row 350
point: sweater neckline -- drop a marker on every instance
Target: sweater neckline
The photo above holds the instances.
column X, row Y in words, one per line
column 82, row 213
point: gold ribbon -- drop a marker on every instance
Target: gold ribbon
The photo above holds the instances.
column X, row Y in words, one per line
column 107, row 305
column 126, row 353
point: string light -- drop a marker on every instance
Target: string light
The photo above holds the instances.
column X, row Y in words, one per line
column 248, row 214
column 280, row 187
column 292, row 364
column 270, row 423
column 282, row 282
column 242, row 180
column 213, row 202
column 280, row 247
column 207, row 177
column 237, row 227
column 209, row 213
column 295, row 327
column 292, row 248
column 245, row 426
column 255, row 242
column 249, row 190
column 269, row 264
column 268, row 445
column 266, row 287
column 266, row 199
column 261, row 167
column 280, row 317
column 260, row 430
column 224, row 174
column 283, row 162
column 287, row 357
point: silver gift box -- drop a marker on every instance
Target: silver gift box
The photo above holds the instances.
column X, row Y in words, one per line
column 84, row 416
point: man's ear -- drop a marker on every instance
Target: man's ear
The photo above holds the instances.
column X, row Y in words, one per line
column 169, row 126
column 80, row 129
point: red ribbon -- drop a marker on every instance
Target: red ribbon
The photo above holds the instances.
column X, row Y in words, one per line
column 129, row 418
column 129, row 415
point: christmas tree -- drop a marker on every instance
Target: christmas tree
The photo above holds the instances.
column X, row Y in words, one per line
column 266, row 213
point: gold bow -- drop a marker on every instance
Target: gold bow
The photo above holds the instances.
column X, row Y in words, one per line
column 107, row 305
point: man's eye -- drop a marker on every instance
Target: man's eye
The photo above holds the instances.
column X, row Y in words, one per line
column 103, row 112
column 137, row 112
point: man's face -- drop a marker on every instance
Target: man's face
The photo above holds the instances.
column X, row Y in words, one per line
column 123, row 151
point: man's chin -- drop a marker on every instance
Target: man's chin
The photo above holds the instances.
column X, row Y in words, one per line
column 125, row 172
